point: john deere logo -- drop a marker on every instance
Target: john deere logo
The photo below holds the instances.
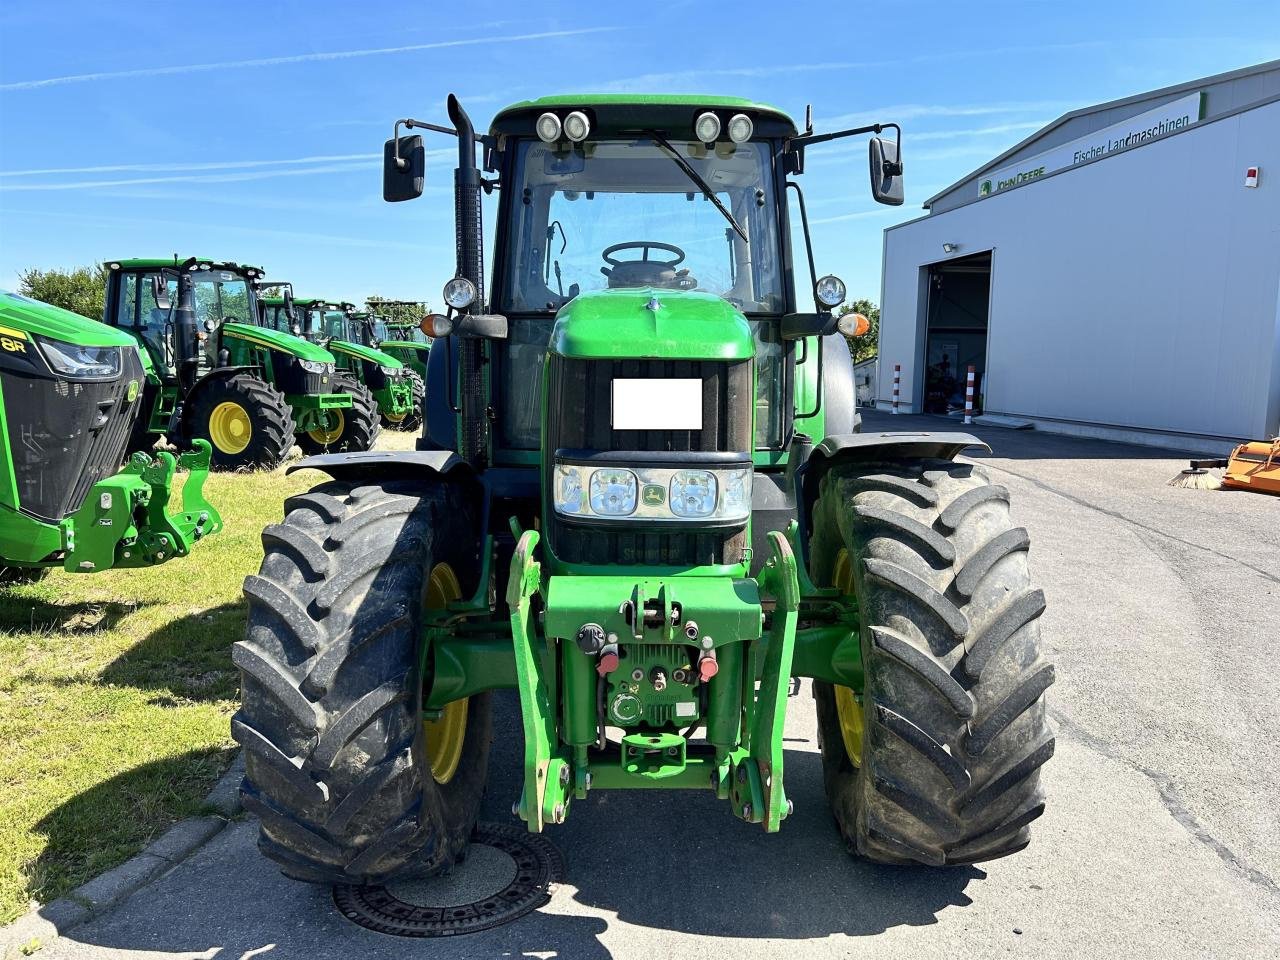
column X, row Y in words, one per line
column 655, row 494
column 985, row 189
column 131, row 392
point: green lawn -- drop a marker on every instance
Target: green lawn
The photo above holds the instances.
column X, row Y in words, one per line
column 115, row 694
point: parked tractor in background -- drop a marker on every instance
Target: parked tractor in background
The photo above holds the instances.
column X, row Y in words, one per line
column 70, row 391
column 397, row 326
column 351, row 339
column 641, row 501
column 212, row 371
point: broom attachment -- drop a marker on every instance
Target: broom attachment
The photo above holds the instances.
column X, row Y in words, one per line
column 1198, row 477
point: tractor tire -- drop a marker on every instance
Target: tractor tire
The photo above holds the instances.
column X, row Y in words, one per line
column 20, row 576
column 937, row 760
column 348, row 782
column 245, row 419
column 413, row 419
column 355, row 429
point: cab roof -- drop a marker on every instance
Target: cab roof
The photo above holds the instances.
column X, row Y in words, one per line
column 640, row 107
column 155, row 263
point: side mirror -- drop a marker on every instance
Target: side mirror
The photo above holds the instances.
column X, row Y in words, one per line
column 288, row 301
column 160, row 291
column 886, row 172
column 404, row 168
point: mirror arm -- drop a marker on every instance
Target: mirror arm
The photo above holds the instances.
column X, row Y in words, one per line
column 799, row 143
column 410, row 124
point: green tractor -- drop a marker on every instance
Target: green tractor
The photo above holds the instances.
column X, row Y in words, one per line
column 70, row 391
column 642, row 501
column 214, row 372
column 352, row 338
column 396, row 325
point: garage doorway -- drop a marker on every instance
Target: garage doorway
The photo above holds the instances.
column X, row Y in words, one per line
column 956, row 333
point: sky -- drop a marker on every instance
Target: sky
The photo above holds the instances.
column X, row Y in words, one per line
column 253, row 131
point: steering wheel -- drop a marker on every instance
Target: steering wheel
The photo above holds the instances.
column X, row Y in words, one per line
column 646, row 246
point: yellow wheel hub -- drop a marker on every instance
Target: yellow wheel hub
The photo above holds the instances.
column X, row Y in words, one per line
column 446, row 734
column 330, row 431
column 848, row 705
column 230, row 428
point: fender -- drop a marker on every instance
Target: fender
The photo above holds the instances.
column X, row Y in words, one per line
column 854, row 447
column 383, row 464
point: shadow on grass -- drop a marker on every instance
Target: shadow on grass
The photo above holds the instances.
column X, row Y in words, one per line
column 106, row 824
column 23, row 608
column 187, row 659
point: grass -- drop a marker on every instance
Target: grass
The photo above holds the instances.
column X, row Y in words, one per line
column 115, row 694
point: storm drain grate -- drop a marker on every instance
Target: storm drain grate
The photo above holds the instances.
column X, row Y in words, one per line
column 537, row 865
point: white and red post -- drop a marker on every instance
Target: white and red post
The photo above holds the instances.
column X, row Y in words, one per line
column 897, row 383
column 968, row 396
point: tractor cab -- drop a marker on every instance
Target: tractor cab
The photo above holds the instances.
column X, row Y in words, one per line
column 354, row 341
column 402, row 336
column 213, row 369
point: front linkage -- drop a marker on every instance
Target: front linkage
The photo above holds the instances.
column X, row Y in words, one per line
column 699, row 638
column 125, row 522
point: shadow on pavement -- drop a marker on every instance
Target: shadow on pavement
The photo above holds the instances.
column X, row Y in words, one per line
column 1012, row 444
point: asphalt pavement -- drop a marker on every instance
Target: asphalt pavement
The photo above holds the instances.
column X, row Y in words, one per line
column 1162, row 836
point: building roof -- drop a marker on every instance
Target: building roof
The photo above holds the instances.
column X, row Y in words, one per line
column 1164, row 93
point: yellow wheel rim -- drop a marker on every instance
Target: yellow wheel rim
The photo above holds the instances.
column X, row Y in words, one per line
column 397, row 417
column 447, row 734
column 848, row 706
column 230, row 428
column 331, row 430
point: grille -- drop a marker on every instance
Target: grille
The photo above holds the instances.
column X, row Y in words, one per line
column 579, row 398
column 66, row 435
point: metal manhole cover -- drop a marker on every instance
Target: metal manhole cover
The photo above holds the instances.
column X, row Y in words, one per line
column 516, row 866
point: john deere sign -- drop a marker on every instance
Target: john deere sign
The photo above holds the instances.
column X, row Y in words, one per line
column 1166, row 118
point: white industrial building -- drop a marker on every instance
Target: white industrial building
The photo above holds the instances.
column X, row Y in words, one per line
column 1115, row 274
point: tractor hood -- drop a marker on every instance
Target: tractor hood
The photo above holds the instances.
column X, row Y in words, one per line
column 275, row 340
column 364, row 353
column 36, row 317
column 652, row 323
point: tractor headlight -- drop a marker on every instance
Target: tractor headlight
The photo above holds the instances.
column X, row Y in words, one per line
column 459, row 293
column 392, row 372
column 829, row 291
column 613, row 492
column 79, row 361
column 314, row 366
column 652, row 493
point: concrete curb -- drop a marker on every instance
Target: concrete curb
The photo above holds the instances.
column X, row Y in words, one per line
column 184, row 838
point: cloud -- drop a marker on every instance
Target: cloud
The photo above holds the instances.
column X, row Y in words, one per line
column 899, row 113
column 233, row 177
column 295, row 58
column 177, row 167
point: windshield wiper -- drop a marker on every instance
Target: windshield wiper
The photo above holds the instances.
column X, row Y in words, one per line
column 692, row 174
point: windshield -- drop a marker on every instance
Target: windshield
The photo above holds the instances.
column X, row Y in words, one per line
column 410, row 332
column 340, row 326
column 378, row 327
column 616, row 213
column 221, row 295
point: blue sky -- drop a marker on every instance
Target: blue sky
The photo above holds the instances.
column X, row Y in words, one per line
column 253, row 131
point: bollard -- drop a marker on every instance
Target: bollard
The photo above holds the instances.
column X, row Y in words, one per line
column 897, row 380
column 968, row 396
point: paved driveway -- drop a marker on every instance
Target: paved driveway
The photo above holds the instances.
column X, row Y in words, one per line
column 1162, row 837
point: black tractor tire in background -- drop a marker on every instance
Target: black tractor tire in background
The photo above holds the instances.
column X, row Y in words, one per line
column 337, row 769
column 952, row 715
column 360, row 425
column 269, row 417
column 413, row 419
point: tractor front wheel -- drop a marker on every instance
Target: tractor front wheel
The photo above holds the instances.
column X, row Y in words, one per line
column 349, row 430
column 413, row 419
column 351, row 781
column 246, row 421
column 936, row 759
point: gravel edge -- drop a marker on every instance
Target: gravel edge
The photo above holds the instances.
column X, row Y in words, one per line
column 45, row 923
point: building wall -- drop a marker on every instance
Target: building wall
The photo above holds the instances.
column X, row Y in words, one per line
column 1142, row 290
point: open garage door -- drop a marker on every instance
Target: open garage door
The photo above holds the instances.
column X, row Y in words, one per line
column 956, row 334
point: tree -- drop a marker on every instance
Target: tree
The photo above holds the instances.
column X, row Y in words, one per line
column 397, row 311
column 81, row 290
column 866, row 346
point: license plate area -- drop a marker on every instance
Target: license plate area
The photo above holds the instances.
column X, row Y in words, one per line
column 657, row 404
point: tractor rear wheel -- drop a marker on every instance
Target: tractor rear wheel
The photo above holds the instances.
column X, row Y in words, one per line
column 936, row 760
column 245, row 419
column 349, row 782
column 413, row 419
column 349, row 430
